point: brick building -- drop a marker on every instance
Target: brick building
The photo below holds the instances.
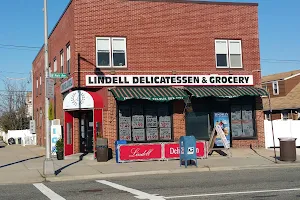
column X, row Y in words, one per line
column 284, row 89
column 170, row 41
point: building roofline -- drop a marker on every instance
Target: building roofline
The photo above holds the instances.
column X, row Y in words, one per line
column 202, row 2
column 289, row 77
column 51, row 32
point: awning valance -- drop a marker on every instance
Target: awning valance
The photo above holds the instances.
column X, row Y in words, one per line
column 226, row 91
column 149, row 93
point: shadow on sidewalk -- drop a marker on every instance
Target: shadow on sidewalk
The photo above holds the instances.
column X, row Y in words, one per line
column 21, row 161
column 64, row 167
column 277, row 158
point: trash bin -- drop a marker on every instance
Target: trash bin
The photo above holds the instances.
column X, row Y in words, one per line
column 287, row 149
column 116, row 149
column 102, row 150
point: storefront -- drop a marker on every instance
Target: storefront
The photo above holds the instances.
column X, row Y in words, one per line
column 159, row 109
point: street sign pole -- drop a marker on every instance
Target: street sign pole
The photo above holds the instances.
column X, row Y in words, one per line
column 48, row 163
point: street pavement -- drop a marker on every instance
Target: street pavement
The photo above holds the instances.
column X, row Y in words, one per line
column 279, row 183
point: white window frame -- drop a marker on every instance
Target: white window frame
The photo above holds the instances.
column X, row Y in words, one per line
column 111, row 65
column 228, row 54
column 62, row 61
column 68, row 59
column 55, row 65
column 273, row 88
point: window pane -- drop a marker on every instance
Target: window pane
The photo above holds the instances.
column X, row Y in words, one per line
column 221, row 47
column 119, row 44
column 222, row 60
column 119, row 59
column 103, row 59
column 235, row 47
column 235, row 60
column 69, row 132
column 103, row 44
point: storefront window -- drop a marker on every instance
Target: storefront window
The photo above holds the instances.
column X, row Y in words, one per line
column 145, row 122
column 242, row 122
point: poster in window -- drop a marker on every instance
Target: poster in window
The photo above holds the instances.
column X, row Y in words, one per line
column 124, row 123
column 236, row 121
column 138, row 121
column 222, row 119
column 125, row 134
column 138, row 134
column 165, row 122
column 152, row 134
column 165, row 133
column 247, row 119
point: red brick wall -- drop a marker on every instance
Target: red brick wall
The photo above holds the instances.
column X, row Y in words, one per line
column 62, row 34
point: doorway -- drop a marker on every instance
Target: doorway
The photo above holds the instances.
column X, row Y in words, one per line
column 86, row 131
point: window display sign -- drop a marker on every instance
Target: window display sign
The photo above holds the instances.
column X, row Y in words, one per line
column 124, row 123
column 152, row 134
column 165, row 133
column 247, row 120
column 222, row 119
column 236, row 121
column 138, row 134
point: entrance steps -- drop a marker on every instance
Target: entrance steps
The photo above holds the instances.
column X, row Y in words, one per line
column 80, row 156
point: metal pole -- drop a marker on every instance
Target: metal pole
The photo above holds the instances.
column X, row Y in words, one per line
column 272, row 127
column 48, row 163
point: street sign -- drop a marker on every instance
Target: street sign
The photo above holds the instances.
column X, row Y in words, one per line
column 58, row 75
column 65, row 86
column 49, row 88
column 32, row 126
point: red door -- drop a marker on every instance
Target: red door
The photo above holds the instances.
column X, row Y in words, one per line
column 98, row 127
column 68, row 133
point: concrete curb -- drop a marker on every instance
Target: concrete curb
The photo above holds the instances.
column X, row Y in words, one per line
column 176, row 171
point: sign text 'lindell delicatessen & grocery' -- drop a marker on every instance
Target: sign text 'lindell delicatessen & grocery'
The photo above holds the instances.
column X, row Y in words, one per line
column 168, row 80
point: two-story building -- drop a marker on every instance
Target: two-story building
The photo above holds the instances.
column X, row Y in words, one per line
column 284, row 90
column 152, row 71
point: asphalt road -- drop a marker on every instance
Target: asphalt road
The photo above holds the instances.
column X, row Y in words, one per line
column 272, row 184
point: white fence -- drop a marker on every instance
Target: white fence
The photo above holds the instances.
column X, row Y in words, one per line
column 282, row 128
column 26, row 137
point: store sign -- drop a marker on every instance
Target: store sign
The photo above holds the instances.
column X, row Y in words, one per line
column 168, row 80
column 156, row 151
column 140, row 152
column 172, row 150
column 67, row 85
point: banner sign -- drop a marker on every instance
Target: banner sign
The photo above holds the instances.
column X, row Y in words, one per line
column 138, row 152
column 172, row 150
column 156, row 151
column 168, row 80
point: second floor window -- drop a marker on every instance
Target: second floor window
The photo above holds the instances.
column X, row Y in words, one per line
column 55, row 65
column 62, row 61
column 111, row 52
column 228, row 53
column 275, row 87
column 68, row 59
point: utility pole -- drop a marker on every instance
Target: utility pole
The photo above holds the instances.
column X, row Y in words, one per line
column 48, row 163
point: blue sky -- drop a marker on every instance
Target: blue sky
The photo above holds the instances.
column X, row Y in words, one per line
column 22, row 25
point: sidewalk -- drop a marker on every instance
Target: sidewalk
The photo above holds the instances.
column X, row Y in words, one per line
column 25, row 165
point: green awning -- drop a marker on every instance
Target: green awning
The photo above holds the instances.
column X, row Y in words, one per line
column 226, row 91
column 149, row 93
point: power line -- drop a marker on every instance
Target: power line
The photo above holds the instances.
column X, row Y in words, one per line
column 10, row 72
column 15, row 48
column 19, row 46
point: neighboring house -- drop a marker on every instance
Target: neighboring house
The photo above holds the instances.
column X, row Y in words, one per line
column 29, row 104
column 107, row 48
column 284, row 89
